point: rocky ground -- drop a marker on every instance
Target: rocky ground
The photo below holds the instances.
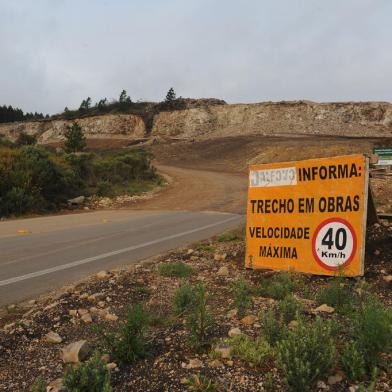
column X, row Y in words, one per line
column 35, row 336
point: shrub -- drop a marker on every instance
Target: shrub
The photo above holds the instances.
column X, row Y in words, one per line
column 91, row 376
column 306, row 353
column 272, row 327
column 372, row 331
column 127, row 343
column 290, row 308
column 278, row 286
column 184, row 299
column 243, row 299
column 337, row 295
column 199, row 383
column 74, row 138
column 199, row 321
column 175, row 270
column 252, row 351
column 353, row 362
column 24, row 139
column 235, row 235
column 39, row 385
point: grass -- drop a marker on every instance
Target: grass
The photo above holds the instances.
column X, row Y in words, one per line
column 231, row 236
column 202, row 247
column 175, row 270
column 242, row 297
column 184, row 299
column 290, row 308
column 280, row 285
column 199, row 383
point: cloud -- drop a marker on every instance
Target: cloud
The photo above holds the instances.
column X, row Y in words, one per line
column 55, row 53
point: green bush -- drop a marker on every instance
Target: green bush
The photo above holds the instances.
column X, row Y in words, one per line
column 306, row 354
column 257, row 352
column 243, row 297
column 74, row 138
column 353, row 362
column 199, row 321
column 127, row 343
column 184, row 299
column 290, row 308
column 24, row 139
column 272, row 327
column 91, row 376
column 372, row 331
column 39, row 385
column 175, row 270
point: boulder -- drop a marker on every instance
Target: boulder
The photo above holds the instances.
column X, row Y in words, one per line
column 324, row 308
column 234, row 332
column 53, row 337
column 76, row 201
column 249, row 320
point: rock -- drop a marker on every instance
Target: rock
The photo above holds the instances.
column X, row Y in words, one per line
column 56, row 386
column 387, row 278
column 335, row 379
column 111, row 365
column 111, row 317
column 232, row 313
column 73, row 312
column 249, row 320
column 223, row 271
column 230, row 363
column 87, row 318
column 76, row 201
column 103, row 275
column 293, row 324
column 105, row 358
column 194, row 363
column 220, row 257
column 234, row 332
column 82, row 312
column 224, row 351
column 322, row 385
column 215, row 363
column 190, row 251
column 377, row 252
column 53, row 337
column 75, row 352
column 324, row 308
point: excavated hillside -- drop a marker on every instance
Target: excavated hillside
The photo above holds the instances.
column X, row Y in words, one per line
column 350, row 119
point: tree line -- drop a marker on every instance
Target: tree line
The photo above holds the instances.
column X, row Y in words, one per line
column 10, row 114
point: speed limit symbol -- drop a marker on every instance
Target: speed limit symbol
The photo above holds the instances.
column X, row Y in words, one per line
column 334, row 243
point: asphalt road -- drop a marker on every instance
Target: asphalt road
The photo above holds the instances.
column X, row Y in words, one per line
column 41, row 254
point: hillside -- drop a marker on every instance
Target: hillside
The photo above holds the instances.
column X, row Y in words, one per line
column 352, row 119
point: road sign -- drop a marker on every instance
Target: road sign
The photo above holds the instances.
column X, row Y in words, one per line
column 385, row 155
column 308, row 216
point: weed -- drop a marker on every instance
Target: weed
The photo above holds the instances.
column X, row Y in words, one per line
column 243, row 299
column 353, row 362
column 306, row 354
column 91, row 376
column 199, row 320
column 184, row 299
column 204, row 248
column 252, row 351
column 272, row 327
column 127, row 342
column 39, row 385
column 373, row 382
column 175, row 270
column 372, row 331
column 290, row 308
column 280, row 285
column 269, row 382
column 199, row 383
column 235, row 235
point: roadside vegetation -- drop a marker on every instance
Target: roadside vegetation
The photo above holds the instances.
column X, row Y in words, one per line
column 34, row 179
column 183, row 326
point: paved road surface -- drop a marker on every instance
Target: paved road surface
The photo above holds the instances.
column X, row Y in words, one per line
column 40, row 254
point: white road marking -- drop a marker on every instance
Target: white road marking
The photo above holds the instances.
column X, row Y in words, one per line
column 47, row 271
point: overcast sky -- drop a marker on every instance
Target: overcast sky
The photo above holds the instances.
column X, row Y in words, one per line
column 54, row 53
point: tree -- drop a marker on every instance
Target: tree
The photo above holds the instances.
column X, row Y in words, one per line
column 102, row 103
column 25, row 140
column 171, row 95
column 86, row 104
column 74, row 138
column 124, row 98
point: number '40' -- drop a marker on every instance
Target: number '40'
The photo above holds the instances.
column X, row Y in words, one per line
column 339, row 241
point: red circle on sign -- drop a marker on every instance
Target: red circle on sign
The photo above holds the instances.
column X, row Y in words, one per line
column 319, row 227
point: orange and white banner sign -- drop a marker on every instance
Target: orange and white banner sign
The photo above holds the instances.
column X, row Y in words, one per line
column 308, row 216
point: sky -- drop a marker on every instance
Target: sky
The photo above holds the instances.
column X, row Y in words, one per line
column 55, row 53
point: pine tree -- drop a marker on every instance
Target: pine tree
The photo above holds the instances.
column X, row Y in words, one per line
column 171, row 95
column 74, row 138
